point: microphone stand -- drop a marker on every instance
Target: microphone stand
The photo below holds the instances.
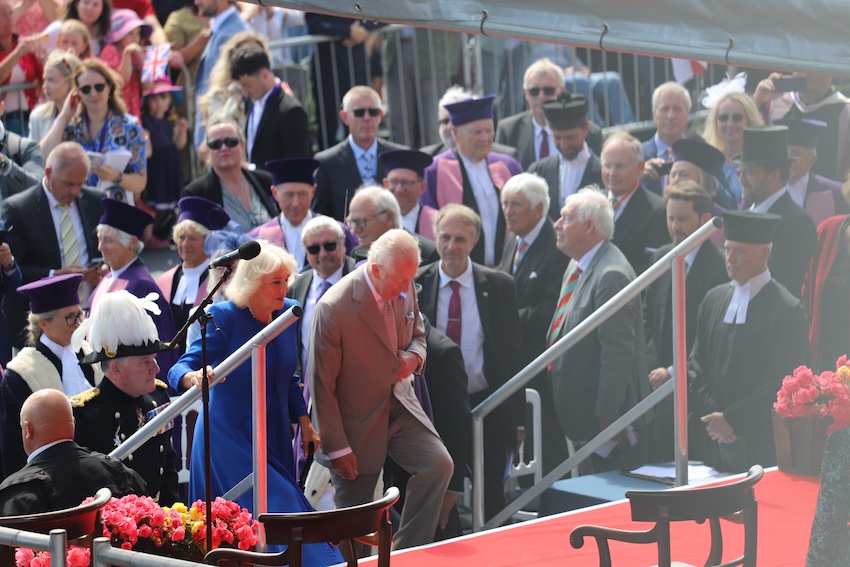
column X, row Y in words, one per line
column 202, row 317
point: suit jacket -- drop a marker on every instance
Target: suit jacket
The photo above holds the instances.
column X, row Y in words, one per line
column 538, row 286
column 518, row 131
column 352, row 369
column 436, row 149
column 794, row 242
column 36, row 246
column 550, row 169
column 208, row 186
column 707, row 271
column 26, row 164
column 650, row 150
column 641, row 226
column 301, row 286
column 62, row 476
column 605, row 374
column 338, row 177
column 497, row 308
column 283, row 131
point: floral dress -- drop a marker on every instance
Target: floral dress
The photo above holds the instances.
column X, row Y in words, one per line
column 829, row 545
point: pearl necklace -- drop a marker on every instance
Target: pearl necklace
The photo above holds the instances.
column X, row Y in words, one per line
column 251, row 311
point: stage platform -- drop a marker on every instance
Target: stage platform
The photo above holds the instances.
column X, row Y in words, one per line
column 786, row 509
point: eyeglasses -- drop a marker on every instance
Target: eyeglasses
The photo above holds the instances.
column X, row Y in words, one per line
column 230, row 142
column 361, row 223
column 361, row 112
column 328, row 246
column 403, row 183
column 75, row 318
column 444, row 121
column 86, row 89
column 548, row 91
column 737, row 117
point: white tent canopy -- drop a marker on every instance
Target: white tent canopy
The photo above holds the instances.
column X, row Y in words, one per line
column 804, row 35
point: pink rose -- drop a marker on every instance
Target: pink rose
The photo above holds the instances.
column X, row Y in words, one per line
column 24, row 556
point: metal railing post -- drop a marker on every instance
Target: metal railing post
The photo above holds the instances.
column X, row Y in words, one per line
column 58, row 547
column 258, row 375
column 680, row 372
column 477, row 472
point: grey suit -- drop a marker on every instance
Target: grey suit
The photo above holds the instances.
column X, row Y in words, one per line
column 605, row 374
column 518, row 131
column 26, row 165
column 360, row 404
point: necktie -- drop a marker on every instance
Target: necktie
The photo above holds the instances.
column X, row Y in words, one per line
column 389, row 323
column 521, row 247
column 70, row 248
column 561, row 310
column 323, row 287
column 544, row 144
column 454, row 324
column 368, row 169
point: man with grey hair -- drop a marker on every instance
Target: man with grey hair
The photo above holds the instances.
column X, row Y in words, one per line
column 605, row 374
column 537, row 267
column 354, row 161
column 370, row 321
column 529, row 131
column 671, row 105
column 51, row 230
column 374, row 211
column 119, row 235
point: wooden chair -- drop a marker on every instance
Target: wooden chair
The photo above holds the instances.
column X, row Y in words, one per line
column 82, row 524
column 693, row 504
column 366, row 523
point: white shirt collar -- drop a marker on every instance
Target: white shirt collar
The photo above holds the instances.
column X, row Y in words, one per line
column 661, row 147
column 468, row 163
column 690, row 257
column 378, row 299
column 588, row 256
column 538, row 128
column 262, row 102
column 284, row 222
column 797, row 191
column 115, row 274
column 464, row 279
column 741, row 297
column 215, row 22
column 44, row 448
column 409, row 220
column 332, row 279
column 51, row 200
column 765, row 205
column 54, row 347
column 534, row 232
column 358, row 151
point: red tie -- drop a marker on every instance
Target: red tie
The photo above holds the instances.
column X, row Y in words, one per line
column 453, row 325
column 544, row 144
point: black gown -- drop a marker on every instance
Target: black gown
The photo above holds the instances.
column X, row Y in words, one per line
column 738, row 369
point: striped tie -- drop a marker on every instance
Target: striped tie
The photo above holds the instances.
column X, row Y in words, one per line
column 561, row 310
column 522, row 245
column 70, row 247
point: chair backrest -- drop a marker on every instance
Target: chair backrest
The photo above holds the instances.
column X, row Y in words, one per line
column 696, row 504
column 83, row 520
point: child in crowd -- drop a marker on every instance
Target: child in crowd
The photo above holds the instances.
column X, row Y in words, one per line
column 125, row 54
column 56, row 83
column 165, row 174
column 75, row 36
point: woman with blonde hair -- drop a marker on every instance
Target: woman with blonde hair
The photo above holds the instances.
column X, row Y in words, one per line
column 56, row 81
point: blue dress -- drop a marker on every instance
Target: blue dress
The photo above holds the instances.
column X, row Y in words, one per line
column 829, row 545
column 231, row 417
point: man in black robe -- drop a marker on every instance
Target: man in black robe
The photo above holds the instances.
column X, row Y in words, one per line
column 751, row 333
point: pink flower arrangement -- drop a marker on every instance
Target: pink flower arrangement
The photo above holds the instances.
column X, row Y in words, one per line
column 139, row 523
column 805, row 393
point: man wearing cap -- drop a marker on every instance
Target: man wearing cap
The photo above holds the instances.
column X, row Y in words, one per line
column 473, row 174
column 51, row 229
column 119, row 236
column 277, row 125
column 354, row 161
column 750, row 334
column 125, row 342
column 406, row 181
column 59, row 474
column 530, row 132
column 574, row 165
column 688, row 207
column 764, row 172
column 639, row 216
column 537, row 266
column 48, row 361
column 820, row 197
column 293, row 188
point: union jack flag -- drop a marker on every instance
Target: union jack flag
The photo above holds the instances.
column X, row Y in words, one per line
column 156, row 62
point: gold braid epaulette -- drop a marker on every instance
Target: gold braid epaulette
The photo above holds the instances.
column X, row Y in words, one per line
column 160, row 383
column 79, row 400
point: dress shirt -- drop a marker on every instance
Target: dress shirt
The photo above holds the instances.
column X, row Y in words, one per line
column 73, row 379
column 358, row 158
column 587, row 258
column 76, row 221
column 409, row 221
column 798, row 190
column 765, row 205
column 534, row 232
column 741, row 297
column 309, row 305
column 292, row 238
column 623, row 204
column 664, row 152
column 538, row 138
column 115, row 274
column 44, row 448
column 190, row 281
column 570, row 173
column 487, row 200
column 257, row 109
column 471, row 333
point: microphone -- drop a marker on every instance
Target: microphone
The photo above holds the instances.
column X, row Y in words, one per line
column 246, row 251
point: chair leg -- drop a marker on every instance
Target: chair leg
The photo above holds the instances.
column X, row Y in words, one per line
column 750, row 534
column 715, row 552
column 663, row 544
column 604, row 552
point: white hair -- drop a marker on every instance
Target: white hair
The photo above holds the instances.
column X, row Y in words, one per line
column 124, row 238
column 394, row 245
column 671, row 87
column 383, row 199
column 320, row 223
column 455, row 93
column 531, row 186
column 593, row 205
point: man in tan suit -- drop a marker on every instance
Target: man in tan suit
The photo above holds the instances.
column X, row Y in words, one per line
column 366, row 342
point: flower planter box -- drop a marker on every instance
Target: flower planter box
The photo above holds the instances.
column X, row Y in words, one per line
column 800, row 442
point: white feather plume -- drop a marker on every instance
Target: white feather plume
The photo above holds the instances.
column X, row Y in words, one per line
column 729, row 85
column 121, row 318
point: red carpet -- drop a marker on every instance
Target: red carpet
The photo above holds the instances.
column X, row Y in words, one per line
column 786, row 510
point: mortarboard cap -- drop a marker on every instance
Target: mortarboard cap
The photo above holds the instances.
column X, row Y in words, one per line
column 471, row 109
column 124, row 217
column 293, row 170
column 700, row 153
column 202, row 211
column 566, row 112
column 406, row 159
column 750, row 227
column 49, row 294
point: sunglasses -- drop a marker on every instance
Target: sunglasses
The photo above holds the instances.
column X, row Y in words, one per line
column 328, row 246
column 548, row 91
column 230, row 142
column 737, row 117
column 86, row 89
column 361, row 112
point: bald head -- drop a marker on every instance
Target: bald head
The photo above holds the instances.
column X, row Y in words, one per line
column 46, row 417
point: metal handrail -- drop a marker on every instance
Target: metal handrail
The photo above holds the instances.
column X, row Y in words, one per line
column 548, row 356
column 56, row 543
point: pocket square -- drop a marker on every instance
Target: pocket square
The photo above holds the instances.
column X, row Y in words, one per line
column 532, row 276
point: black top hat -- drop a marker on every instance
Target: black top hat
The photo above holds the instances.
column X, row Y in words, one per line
column 765, row 145
column 803, row 133
column 566, row 112
column 747, row 226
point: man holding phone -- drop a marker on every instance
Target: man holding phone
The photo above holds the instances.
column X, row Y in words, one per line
column 51, row 230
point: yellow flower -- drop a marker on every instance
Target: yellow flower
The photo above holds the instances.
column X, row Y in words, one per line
column 179, row 507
